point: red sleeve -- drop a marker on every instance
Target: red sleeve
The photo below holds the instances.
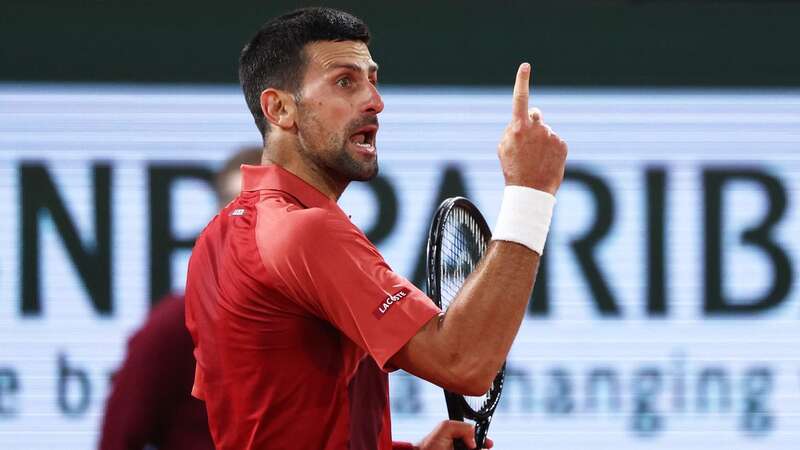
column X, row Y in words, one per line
column 402, row 446
column 321, row 260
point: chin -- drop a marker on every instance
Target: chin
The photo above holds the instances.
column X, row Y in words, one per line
column 367, row 174
column 355, row 170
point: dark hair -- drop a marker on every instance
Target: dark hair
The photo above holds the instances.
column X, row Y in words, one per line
column 274, row 56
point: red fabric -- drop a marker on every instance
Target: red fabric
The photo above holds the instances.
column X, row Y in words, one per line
column 150, row 401
column 294, row 314
column 402, row 446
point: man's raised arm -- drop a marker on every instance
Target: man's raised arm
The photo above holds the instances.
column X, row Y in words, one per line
column 463, row 349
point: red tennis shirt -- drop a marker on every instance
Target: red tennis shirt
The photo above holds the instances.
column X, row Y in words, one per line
column 294, row 315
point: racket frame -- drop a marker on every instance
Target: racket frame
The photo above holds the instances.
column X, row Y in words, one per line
column 457, row 406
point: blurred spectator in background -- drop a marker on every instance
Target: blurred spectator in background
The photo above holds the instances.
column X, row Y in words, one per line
column 150, row 404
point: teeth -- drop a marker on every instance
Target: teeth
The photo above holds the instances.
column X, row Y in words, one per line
column 364, row 141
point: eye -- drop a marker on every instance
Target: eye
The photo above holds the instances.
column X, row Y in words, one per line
column 344, row 82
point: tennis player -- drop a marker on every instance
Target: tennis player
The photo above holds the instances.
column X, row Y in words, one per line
column 295, row 316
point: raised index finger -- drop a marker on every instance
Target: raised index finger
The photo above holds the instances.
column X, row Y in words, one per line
column 521, row 92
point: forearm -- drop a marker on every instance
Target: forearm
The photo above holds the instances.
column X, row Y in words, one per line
column 462, row 349
column 478, row 329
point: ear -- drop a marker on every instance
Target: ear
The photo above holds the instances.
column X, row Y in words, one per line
column 279, row 108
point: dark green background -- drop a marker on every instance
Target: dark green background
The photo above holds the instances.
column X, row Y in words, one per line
column 570, row 42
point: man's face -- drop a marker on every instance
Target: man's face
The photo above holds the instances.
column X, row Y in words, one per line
column 337, row 115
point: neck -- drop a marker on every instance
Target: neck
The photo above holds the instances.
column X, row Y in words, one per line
column 291, row 159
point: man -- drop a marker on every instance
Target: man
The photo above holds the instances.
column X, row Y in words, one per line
column 283, row 291
column 150, row 403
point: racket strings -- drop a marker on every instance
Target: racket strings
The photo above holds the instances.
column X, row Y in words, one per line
column 463, row 245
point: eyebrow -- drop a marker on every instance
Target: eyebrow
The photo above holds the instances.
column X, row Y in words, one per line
column 373, row 67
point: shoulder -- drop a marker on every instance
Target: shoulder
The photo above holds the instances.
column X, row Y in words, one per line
column 163, row 332
column 312, row 238
column 306, row 226
column 168, row 311
column 321, row 221
column 165, row 319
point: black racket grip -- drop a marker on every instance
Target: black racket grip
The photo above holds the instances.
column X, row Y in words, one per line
column 458, row 444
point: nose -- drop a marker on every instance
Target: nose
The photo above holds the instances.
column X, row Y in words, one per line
column 374, row 103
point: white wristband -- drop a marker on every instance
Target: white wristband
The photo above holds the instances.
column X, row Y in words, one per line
column 524, row 217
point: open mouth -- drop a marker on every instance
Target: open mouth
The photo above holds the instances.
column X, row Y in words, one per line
column 364, row 138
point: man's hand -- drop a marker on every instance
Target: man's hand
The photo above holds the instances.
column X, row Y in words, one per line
column 441, row 438
column 530, row 153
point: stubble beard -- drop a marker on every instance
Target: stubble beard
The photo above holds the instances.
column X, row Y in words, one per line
column 328, row 150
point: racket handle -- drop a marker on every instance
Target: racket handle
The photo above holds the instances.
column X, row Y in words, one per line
column 458, row 444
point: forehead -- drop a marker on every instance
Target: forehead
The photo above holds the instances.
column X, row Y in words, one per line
column 327, row 54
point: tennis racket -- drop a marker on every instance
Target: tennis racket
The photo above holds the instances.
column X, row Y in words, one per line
column 457, row 240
